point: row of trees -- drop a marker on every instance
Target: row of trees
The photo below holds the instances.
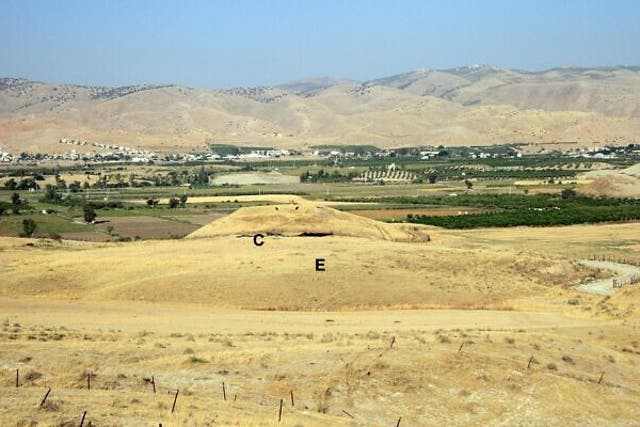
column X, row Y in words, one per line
column 543, row 218
column 24, row 184
column 174, row 202
column 323, row 176
column 536, row 210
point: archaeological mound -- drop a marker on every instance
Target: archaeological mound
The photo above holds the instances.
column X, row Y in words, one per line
column 306, row 220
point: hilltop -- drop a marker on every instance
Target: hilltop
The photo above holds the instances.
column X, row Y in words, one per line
column 305, row 220
column 476, row 105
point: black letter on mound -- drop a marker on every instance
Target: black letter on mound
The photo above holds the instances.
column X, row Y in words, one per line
column 319, row 264
column 255, row 240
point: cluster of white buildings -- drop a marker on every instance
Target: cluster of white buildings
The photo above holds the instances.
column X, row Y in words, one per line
column 260, row 154
column 134, row 154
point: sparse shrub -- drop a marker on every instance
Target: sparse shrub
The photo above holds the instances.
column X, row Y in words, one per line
column 552, row 366
column 510, row 340
column 32, row 376
column 373, row 335
column 444, row 339
column 380, row 365
column 568, row 359
column 188, row 350
column 28, row 227
column 573, row 301
column 196, row 359
column 52, row 405
column 55, row 236
column 327, row 338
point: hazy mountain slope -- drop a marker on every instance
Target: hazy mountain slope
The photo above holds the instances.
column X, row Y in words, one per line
column 463, row 106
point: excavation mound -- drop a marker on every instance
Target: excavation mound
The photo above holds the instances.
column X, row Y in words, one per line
column 306, row 220
column 615, row 185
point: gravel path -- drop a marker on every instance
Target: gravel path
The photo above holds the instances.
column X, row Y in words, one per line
column 605, row 286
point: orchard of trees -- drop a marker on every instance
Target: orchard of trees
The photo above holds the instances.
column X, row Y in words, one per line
column 535, row 210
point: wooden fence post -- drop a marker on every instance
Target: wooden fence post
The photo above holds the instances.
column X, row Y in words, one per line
column 280, row 411
column 17, row 378
column 224, row 392
column 44, row 399
column 175, row 399
column 82, row 420
column 348, row 414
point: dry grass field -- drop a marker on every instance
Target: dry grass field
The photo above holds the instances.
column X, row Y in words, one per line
column 471, row 327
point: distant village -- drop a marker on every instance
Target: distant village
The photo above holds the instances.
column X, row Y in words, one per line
column 112, row 153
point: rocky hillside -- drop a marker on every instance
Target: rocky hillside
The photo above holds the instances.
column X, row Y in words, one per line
column 463, row 106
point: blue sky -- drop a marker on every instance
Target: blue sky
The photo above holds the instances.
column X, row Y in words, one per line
column 219, row 44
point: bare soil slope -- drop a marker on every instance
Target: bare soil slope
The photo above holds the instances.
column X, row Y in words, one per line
column 305, row 219
column 232, row 272
column 615, row 183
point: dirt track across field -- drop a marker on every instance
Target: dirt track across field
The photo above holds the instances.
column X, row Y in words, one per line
column 605, row 286
column 135, row 317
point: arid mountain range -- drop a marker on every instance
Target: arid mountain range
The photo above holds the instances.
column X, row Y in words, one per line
column 475, row 105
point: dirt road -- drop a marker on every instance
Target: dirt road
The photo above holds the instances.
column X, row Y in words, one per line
column 605, row 286
column 135, row 317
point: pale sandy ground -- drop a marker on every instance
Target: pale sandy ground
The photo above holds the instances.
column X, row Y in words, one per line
column 623, row 272
column 255, row 178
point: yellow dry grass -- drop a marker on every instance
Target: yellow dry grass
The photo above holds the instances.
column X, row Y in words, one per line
column 489, row 339
column 233, row 272
column 472, row 370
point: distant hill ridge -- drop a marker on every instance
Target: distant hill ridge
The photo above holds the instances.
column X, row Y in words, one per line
column 472, row 105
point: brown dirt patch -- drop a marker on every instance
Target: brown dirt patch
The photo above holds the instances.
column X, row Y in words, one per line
column 88, row 236
column 147, row 227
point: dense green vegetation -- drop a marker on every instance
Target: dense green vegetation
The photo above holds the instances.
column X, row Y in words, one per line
column 535, row 210
column 323, row 176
